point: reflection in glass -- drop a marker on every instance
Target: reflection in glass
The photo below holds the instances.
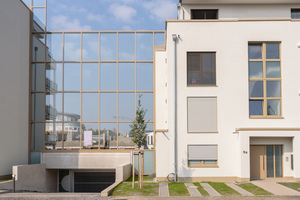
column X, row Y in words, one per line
column 254, row 51
column 37, row 136
column 90, row 46
column 72, row 77
column 144, row 76
column 124, row 140
column 39, row 19
column 273, row 89
column 90, row 136
column 37, row 106
column 208, row 62
column 108, row 46
column 90, row 76
column 53, row 136
column 35, row 156
column 126, row 76
column 71, row 106
column 39, row 3
column 273, row 107
column 270, row 162
column 72, row 47
column 159, row 39
column 53, row 107
column 193, row 78
column 108, row 113
column 209, row 78
column 108, row 136
column 90, row 106
column 108, row 76
column 38, row 47
column 255, row 69
column 126, row 46
column 126, row 106
column 256, row 107
column 147, row 104
column 144, row 46
column 27, row 2
column 54, row 77
column 272, row 51
column 55, row 47
column 38, row 77
column 278, row 161
column 71, row 135
column 256, row 89
column 273, row 69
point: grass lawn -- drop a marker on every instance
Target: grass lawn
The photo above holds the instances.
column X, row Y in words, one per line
column 145, row 178
column 294, row 186
column 5, row 180
column 201, row 189
column 125, row 189
column 223, row 189
column 178, row 189
column 254, row 189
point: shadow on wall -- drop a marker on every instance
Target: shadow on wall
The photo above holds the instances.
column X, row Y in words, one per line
column 184, row 172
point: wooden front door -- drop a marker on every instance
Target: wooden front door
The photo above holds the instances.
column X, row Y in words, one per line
column 257, row 162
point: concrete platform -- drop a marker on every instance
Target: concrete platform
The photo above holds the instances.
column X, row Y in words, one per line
column 275, row 188
column 239, row 189
column 164, row 190
column 194, row 192
column 210, row 190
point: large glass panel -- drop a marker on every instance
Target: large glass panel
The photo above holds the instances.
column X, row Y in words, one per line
column 256, row 107
column 144, row 46
column 255, row 51
column 38, row 77
column 38, row 106
column 273, row 69
column 278, row 161
column 27, row 2
column 208, row 62
column 90, row 136
column 90, row 76
column 272, row 51
column 71, row 136
column 39, row 3
column 108, row 136
column 126, row 106
column 273, row 89
column 108, row 107
column 147, row 104
column 90, row 46
column 159, row 39
column 54, row 76
column 108, row 46
column 255, row 69
column 38, row 47
column 193, row 78
column 256, row 89
column 209, row 78
column 72, row 47
column 126, row 46
column 193, row 62
column 55, row 47
column 72, row 107
column 270, row 162
column 144, row 76
column 124, row 140
column 108, row 76
column 90, row 102
column 35, row 157
column 72, row 77
column 39, row 19
column 53, row 107
column 53, row 136
column 126, row 76
column 273, row 107
column 37, row 136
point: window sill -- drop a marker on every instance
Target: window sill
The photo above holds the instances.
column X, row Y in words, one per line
column 202, row 85
column 263, row 117
column 203, row 132
column 203, row 166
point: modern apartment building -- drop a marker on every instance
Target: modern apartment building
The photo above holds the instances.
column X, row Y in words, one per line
column 220, row 86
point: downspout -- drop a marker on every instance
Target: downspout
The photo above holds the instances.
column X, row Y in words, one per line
column 174, row 36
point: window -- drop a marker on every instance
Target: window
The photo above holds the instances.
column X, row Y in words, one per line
column 201, row 68
column 264, row 80
column 202, row 155
column 204, row 14
column 202, row 114
column 295, row 13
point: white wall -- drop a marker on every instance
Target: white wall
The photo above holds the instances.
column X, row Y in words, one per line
column 14, row 84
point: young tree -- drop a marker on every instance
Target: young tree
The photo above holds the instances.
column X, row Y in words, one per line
column 138, row 127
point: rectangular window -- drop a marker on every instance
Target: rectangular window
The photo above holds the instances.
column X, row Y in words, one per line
column 204, row 14
column 264, row 80
column 202, row 114
column 295, row 13
column 201, row 68
column 202, row 155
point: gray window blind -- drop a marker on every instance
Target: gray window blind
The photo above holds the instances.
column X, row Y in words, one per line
column 202, row 152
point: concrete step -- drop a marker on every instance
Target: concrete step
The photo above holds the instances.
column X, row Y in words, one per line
column 193, row 190
column 210, row 190
column 164, row 190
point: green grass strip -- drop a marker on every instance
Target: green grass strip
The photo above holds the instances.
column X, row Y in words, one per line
column 254, row 189
column 125, row 189
column 145, row 178
column 201, row 189
column 223, row 189
column 5, row 180
column 294, row 186
column 178, row 189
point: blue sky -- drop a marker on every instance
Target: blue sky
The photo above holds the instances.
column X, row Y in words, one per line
column 97, row 15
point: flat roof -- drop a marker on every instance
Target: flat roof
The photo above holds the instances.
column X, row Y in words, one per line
column 239, row 2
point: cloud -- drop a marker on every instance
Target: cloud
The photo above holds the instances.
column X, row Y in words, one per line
column 61, row 22
column 127, row 28
column 92, row 17
column 161, row 9
column 122, row 12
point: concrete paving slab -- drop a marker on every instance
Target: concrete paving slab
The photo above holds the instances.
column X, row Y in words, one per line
column 210, row 190
column 239, row 189
column 194, row 192
column 164, row 190
column 276, row 188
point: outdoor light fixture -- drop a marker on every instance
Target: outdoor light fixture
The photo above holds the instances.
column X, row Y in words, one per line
column 298, row 44
column 235, row 132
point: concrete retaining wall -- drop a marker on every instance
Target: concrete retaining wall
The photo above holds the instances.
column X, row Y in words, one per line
column 123, row 172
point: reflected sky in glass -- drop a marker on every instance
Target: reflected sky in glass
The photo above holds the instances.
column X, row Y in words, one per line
column 72, row 47
column 144, row 76
column 144, row 46
column 272, row 51
column 159, row 39
column 255, row 69
column 256, row 107
column 126, row 46
column 90, row 106
column 72, row 77
column 273, row 89
column 39, row 16
column 90, row 76
column 126, row 106
column 55, row 47
column 90, row 46
column 108, row 46
column 254, row 52
column 273, row 69
column 54, row 76
column 273, row 107
column 38, row 3
column 108, row 76
column 72, row 103
column 256, row 89
column 126, row 76
column 108, row 113
column 147, row 104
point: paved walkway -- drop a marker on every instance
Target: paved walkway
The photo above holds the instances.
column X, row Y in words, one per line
column 276, row 188
column 239, row 189
column 210, row 190
column 163, row 190
column 194, row 192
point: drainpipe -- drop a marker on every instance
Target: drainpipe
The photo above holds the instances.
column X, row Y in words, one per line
column 174, row 36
